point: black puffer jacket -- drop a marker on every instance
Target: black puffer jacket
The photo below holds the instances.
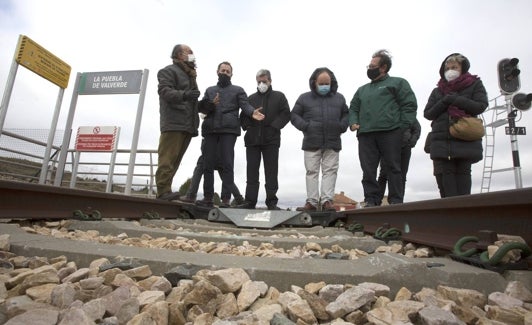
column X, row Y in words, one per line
column 176, row 114
column 322, row 119
column 473, row 100
column 224, row 118
column 276, row 115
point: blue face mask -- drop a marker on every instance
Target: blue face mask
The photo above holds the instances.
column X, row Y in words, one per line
column 323, row 89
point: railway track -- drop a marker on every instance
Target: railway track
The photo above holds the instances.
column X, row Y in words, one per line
column 436, row 223
column 279, row 256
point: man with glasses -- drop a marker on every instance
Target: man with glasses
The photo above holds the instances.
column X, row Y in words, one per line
column 380, row 111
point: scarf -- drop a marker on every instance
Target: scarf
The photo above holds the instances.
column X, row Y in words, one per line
column 223, row 80
column 447, row 87
column 190, row 70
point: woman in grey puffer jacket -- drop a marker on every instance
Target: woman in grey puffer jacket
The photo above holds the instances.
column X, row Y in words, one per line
column 458, row 94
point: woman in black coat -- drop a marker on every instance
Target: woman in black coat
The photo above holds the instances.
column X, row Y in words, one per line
column 458, row 94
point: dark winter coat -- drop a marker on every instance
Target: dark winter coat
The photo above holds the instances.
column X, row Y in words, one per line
column 322, row 119
column 224, row 118
column 176, row 114
column 276, row 115
column 473, row 100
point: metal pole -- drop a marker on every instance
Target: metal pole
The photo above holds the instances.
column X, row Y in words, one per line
column 7, row 93
column 51, row 136
column 68, row 132
column 513, row 141
column 135, row 141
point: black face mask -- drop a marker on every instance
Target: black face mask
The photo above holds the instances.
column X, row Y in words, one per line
column 373, row 73
column 223, row 80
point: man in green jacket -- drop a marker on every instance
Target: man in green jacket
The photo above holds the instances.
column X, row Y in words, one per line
column 380, row 111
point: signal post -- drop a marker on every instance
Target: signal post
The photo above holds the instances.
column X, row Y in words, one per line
column 509, row 83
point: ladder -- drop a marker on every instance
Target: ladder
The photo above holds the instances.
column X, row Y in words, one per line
column 489, row 147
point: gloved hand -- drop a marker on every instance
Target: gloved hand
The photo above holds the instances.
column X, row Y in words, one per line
column 449, row 99
column 191, row 94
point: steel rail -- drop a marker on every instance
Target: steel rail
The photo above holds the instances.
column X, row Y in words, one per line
column 436, row 223
column 441, row 222
column 37, row 201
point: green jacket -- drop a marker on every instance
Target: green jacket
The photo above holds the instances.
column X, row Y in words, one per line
column 383, row 105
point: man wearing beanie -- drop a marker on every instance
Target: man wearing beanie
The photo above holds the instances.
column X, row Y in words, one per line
column 221, row 105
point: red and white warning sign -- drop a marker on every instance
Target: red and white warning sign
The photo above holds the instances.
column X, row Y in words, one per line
column 97, row 138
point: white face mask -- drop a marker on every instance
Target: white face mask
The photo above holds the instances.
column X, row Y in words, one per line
column 191, row 58
column 262, row 87
column 450, row 75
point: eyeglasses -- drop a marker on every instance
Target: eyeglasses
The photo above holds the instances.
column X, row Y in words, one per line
column 372, row 66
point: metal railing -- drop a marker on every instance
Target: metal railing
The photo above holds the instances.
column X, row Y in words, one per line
column 92, row 172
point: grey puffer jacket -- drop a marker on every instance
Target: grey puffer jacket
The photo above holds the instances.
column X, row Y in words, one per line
column 224, row 118
column 322, row 119
column 176, row 114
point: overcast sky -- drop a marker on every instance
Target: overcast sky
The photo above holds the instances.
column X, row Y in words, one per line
column 291, row 39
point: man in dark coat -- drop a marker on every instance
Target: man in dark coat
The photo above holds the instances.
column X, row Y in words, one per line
column 220, row 128
column 179, row 120
column 264, row 138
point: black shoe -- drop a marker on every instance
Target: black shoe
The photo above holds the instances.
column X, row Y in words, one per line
column 168, row 196
column 245, row 205
column 239, row 200
column 224, row 204
column 205, row 203
column 273, row 207
column 187, row 199
column 370, row 204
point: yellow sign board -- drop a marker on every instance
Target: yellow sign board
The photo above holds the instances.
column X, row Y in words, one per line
column 37, row 59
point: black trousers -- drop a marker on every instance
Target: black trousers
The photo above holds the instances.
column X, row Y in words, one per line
column 456, row 176
column 406, row 153
column 270, row 155
column 198, row 174
column 372, row 148
column 438, row 171
column 218, row 150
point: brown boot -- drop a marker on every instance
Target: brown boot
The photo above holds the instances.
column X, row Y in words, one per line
column 328, row 206
column 308, row 207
